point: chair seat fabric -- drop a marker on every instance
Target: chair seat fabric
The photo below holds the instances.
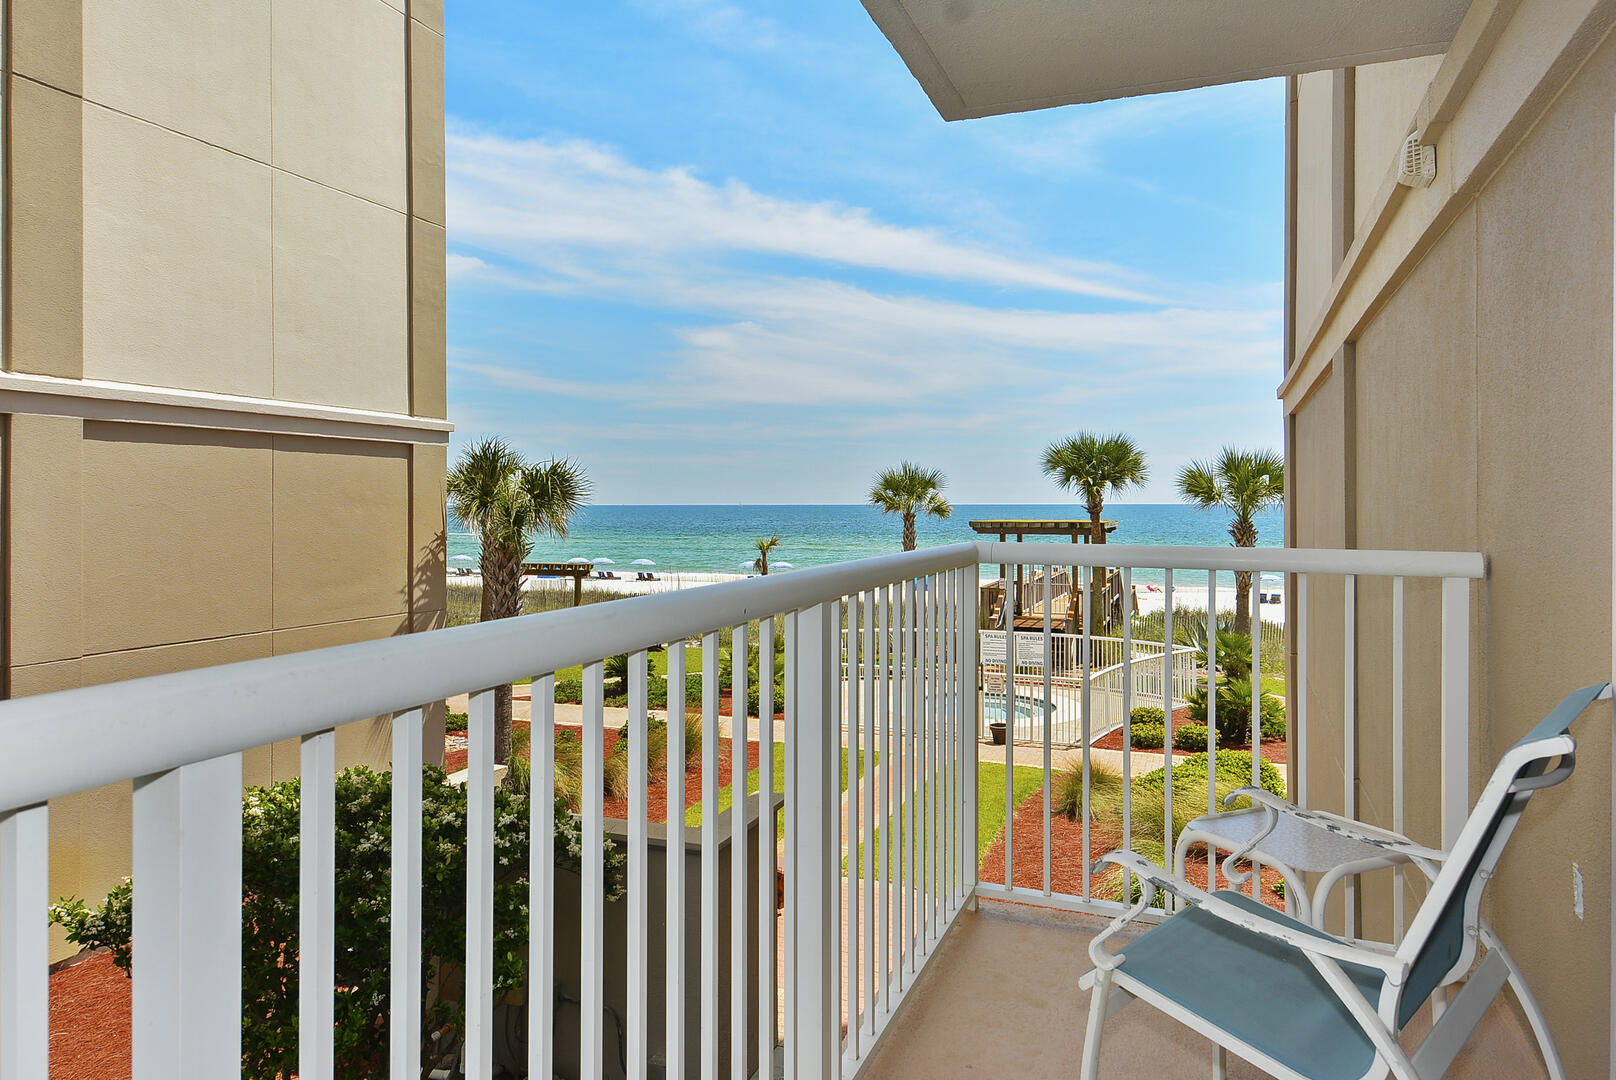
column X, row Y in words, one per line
column 1298, row 844
column 1260, row 992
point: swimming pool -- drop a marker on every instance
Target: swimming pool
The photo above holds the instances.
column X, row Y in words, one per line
column 1027, row 707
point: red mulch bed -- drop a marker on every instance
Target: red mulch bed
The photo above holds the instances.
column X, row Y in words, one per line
column 1273, row 750
column 657, row 787
column 1066, row 864
column 89, row 1021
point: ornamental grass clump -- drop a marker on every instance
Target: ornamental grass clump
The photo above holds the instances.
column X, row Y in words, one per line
column 1147, row 831
column 269, row 916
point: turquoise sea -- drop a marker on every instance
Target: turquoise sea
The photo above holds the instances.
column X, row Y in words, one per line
column 719, row 539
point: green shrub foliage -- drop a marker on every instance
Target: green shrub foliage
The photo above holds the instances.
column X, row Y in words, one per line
column 1190, row 738
column 1147, row 735
column 1148, row 714
column 269, row 855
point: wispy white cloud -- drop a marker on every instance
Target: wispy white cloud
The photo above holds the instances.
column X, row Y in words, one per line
column 544, row 201
column 717, row 22
column 578, row 218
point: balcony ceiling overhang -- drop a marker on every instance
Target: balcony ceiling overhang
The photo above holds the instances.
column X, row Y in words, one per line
column 985, row 57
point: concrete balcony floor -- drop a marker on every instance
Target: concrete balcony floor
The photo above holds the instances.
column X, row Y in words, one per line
column 1000, row 999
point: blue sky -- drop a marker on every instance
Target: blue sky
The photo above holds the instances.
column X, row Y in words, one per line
column 723, row 253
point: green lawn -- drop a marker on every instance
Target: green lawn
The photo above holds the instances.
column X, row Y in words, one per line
column 726, row 794
column 1029, row 780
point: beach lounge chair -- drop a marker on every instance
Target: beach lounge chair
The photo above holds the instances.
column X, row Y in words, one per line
column 1226, row 965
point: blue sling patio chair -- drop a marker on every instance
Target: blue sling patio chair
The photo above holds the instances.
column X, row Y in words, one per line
column 1304, row 1005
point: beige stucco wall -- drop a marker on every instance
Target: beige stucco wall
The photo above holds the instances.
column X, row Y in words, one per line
column 1385, row 97
column 242, row 199
column 1478, row 402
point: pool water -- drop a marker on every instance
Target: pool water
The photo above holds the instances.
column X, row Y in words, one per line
column 1026, row 707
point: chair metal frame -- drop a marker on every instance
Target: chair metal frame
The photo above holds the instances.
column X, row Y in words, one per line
column 1457, row 877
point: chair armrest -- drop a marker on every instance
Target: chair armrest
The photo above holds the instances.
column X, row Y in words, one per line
column 1152, row 875
column 1389, row 842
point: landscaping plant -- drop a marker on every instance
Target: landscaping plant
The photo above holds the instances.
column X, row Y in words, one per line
column 269, row 858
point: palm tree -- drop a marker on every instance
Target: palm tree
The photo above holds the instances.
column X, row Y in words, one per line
column 910, row 490
column 1242, row 482
column 765, row 544
column 1095, row 466
column 503, row 500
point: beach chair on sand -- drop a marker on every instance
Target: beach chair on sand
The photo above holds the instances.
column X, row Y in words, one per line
column 1303, row 1005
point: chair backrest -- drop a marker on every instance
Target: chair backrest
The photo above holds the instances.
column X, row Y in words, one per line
column 1441, row 939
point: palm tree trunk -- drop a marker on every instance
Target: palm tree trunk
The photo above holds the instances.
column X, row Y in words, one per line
column 1244, row 533
column 909, row 530
column 1096, row 605
column 502, row 597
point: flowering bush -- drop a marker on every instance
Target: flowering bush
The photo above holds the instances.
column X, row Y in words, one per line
column 269, row 935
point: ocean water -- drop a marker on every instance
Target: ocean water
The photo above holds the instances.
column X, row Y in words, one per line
column 719, row 539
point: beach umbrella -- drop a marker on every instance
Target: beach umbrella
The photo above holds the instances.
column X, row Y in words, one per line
column 461, row 558
column 603, row 562
column 642, row 562
column 749, row 566
column 579, row 560
column 785, row 566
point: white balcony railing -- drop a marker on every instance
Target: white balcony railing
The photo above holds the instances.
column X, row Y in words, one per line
column 884, row 649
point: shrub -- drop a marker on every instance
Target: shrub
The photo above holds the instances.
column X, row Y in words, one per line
column 1148, row 714
column 1147, row 735
column 1190, row 738
column 456, row 721
column 269, row 854
column 1273, row 718
column 569, row 689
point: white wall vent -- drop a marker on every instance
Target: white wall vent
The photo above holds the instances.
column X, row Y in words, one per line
column 1416, row 166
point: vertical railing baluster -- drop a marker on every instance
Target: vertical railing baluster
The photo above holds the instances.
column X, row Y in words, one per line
column 1049, row 759
column 766, row 846
column 674, row 903
column 1301, row 770
column 867, row 844
column 404, row 930
column 479, row 980
column 740, row 663
column 971, row 724
column 479, row 989
column 317, row 905
column 1398, row 824
column 1349, row 730
column 1455, row 707
column 1127, row 733
column 1088, row 702
column 541, row 880
column 857, row 768
column 1010, row 739
column 1167, row 727
column 883, row 865
column 186, row 986
column 794, row 895
column 928, row 762
column 592, row 898
column 24, row 943
column 906, row 804
column 815, row 858
column 639, row 870
column 1256, row 714
column 710, row 645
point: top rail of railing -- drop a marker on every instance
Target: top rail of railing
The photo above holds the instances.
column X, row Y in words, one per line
column 1433, row 564
column 80, row 739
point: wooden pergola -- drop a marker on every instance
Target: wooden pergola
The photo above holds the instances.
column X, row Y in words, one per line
column 1080, row 530
column 575, row 570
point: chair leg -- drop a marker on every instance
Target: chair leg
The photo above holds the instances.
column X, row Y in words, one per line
column 1098, row 1000
column 1220, row 1063
column 1529, row 1005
